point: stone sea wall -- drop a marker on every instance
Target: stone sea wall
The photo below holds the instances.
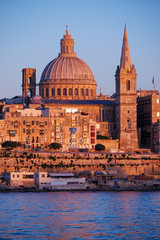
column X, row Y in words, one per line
column 125, row 164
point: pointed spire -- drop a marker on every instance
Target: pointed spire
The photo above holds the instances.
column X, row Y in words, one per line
column 125, row 57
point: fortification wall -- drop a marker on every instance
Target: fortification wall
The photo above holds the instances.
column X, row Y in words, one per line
column 125, row 164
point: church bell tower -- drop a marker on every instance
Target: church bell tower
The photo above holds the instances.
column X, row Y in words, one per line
column 126, row 95
column 28, row 83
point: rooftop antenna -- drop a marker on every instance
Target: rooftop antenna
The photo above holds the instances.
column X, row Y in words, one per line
column 153, row 82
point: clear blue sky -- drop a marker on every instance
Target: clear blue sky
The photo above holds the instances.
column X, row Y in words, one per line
column 31, row 31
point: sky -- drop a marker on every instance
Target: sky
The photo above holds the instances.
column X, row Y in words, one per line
column 31, row 31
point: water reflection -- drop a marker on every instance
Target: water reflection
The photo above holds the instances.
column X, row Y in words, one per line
column 80, row 215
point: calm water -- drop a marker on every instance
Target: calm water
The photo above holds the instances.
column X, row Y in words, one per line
column 80, row 215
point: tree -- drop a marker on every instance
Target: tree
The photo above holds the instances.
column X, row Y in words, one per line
column 102, row 137
column 11, row 144
column 99, row 147
column 55, row 145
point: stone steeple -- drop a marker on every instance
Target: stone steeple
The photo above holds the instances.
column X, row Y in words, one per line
column 125, row 57
column 126, row 100
column 67, row 45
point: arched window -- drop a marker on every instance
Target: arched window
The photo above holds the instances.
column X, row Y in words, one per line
column 128, row 123
column 91, row 92
column 29, row 93
column 82, row 92
column 128, row 85
column 70, row 92
column 46, row 92
column 64, row 91
column 30, row 80
column 59, row 92
column 76, row 91
column 42, row 92
column 53, row 91
column 87, row 92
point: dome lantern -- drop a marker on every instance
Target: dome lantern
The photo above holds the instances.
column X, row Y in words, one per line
column 67, row 45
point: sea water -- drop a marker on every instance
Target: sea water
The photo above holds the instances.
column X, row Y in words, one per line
column 80, row 215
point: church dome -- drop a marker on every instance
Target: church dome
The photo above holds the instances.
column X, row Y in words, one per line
column 67, row 76
column 67, row 68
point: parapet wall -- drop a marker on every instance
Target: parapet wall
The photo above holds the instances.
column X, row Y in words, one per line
column 125, row 164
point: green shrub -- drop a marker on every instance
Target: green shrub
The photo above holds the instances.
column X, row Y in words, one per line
column 99, row 147
column 11, row 144
column 102, row 137
column 55, row 145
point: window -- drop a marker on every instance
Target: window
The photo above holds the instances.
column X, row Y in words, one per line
column 157, row 114
column 32, row 130
column 70, row 92
column 24, row 122
column 157, row 100
column 36, row 122
column 30, row 80
column 28, row 131
column 108, row 117
column 41, row 132
column 82, row 92
column 45, row 122
column 76, row 92
column 128, row 85
column 91, row 92
column 42, row 92
column 23, row 130
column 128, row 123
column 64, row 91
column 32, row 122
column 46, row 92
column 59, row 92
column 28, row 176
column 53, row 91
column 87, row 92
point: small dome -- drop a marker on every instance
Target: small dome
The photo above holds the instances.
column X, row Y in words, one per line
column 37, row 99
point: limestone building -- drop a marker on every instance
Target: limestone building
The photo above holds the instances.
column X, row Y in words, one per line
column 37, row 128
column 67, row 83
column 148, row 119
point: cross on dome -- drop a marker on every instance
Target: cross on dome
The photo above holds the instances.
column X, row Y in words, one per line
column 67, row 31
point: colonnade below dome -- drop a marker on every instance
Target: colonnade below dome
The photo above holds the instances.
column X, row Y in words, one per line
column 67, row 92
